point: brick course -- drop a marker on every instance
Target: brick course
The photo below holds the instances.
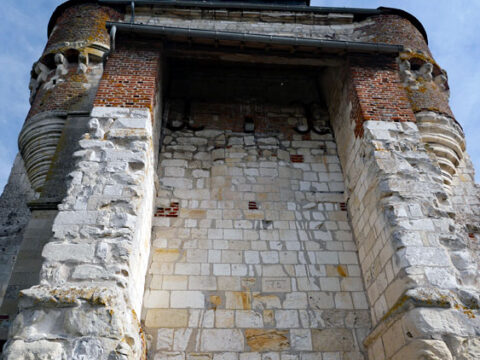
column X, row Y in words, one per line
column 376, row 91
column 129, row 79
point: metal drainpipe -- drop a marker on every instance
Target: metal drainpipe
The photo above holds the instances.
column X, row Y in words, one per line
column 265, row 39
column 132, row 4
column 113, row 33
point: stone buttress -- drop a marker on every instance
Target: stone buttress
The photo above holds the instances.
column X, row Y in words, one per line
column 239, row 181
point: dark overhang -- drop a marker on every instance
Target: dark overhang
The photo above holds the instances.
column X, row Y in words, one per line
column 359, row 13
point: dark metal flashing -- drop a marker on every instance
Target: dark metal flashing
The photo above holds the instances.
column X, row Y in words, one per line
column 359, row 13
column 166, row 31
column 44, row 204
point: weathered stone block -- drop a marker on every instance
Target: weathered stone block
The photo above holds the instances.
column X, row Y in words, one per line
column 267, row 340
column 331, row 340
column 222, row 340
column 167, row 318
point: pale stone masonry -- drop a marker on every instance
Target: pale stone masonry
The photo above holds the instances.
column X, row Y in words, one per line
column 239, row 181
column 266, row 279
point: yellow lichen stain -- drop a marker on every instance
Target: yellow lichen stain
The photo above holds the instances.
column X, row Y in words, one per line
column 419, row 56
column 219, row 194
column 167, row 251
column 465, row 310
column 342, row 271
column 262, row 196
column 166, row 255
column 246, row 299
column 216, row 301
column 268, row 317
column 193, row 213
column 199, row 356
column 254, row 215
column 463, row 178
column 242, row 300
column 267, row 340
column 395, row 307
column 248, row 283
column 268, row 301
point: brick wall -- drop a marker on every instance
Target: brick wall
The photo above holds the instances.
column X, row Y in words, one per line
column 393, row 29
column 376, row 92
column 83, row 23
column 129, row 79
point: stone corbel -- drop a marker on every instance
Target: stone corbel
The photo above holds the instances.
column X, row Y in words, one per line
column 316, row 120
column 186, row 121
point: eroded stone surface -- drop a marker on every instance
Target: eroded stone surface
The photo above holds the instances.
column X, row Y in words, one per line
column 88, row 296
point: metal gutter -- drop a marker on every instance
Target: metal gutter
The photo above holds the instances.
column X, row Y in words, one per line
column 350, row 46
column 245, row 6
column 358, row 12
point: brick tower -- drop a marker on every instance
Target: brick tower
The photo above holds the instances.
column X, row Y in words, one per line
column 256, row 180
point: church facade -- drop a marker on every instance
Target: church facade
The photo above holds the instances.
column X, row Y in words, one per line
column 257, row 180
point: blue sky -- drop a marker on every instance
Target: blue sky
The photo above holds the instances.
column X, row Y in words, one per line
column 452, row 27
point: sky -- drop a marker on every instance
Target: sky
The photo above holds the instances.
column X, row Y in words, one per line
column 452, row 28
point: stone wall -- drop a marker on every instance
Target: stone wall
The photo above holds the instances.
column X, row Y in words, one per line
column 14, row 216
column 253, row 255
column 267, row 243
column 91, row 280
column 407, row 236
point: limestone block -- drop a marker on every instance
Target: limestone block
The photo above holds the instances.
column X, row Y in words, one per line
column 156, row 299
column 169, row 355
column 331, row 340
column 164, row 339
column 90, row 272
column 225, row 356
column 267, row 340
column 261, row 301
column 172, row 282
column 301, row 339
column 423, row 322
column 87, row 348
column 37, row 350
column 275, row 285
column 187, row 299
column 86, row 321
column 248, row 319
column 295, row 300
column 321, row 300
column 55, row 251
column 240, row 300
column 224, row 318
column 167, row 318
column 424, row 349
column 181, row 339
column 222, row 340
column 286, row 319
column 464, row 348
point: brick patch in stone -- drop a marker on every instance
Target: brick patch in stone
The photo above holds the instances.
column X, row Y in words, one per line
column 296, row 158
column 252, row 205
column 171, row 211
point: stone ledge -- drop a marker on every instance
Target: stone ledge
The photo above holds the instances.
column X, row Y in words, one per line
column 422, row 298
column 68, row 296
